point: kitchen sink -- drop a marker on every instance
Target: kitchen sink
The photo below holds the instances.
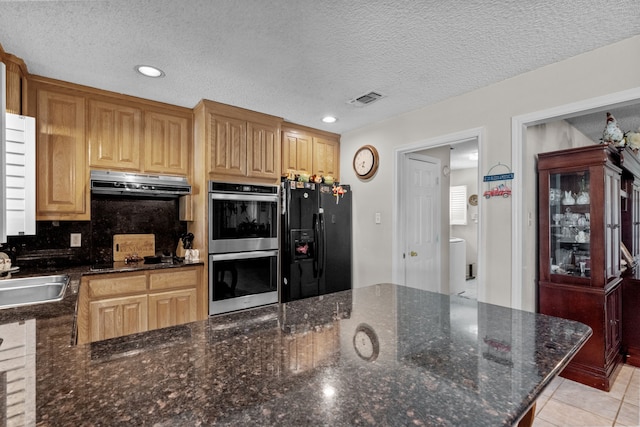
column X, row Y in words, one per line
column 32, row 290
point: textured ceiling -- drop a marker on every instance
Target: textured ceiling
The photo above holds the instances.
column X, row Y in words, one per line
column 302, row 59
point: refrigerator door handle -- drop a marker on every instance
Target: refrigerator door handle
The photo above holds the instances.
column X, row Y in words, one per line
column 315, row 244
column 322, row 250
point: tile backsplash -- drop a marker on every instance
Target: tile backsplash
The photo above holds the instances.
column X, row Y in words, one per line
column 110, row 215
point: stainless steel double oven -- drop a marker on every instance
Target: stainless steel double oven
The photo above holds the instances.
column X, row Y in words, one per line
column 243, row 246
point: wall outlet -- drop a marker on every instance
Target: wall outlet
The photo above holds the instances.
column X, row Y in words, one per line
column 76, row 240
column 378, row 218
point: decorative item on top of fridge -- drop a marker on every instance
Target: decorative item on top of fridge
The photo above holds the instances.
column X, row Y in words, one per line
column 301, row 179
column 338, row 192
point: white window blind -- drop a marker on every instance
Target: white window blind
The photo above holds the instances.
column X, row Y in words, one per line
column 458, row 205
column 20, row 175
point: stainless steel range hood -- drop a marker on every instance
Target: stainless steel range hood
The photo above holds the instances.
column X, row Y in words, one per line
column 134, row 184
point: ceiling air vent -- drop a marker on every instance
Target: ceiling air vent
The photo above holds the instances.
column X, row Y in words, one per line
column 366, row 99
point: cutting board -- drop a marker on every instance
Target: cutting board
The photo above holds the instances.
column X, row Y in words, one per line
column 125, row 245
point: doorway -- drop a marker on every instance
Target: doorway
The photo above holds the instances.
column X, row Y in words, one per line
column 403, row 264
column 524, row 213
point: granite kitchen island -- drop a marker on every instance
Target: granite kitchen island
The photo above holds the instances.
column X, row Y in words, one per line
column 380, row 355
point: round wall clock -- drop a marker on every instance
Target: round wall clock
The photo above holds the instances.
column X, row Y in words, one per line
column 473, row 200
column 365, row 162
column 365, row 342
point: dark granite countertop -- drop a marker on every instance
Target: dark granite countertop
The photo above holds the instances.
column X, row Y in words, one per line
column 434, row 360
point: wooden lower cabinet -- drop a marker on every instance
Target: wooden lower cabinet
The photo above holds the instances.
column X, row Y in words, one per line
column 115, row 317
column 118, row 304
column 599, row 361
column 172, row 308
column 631, row 319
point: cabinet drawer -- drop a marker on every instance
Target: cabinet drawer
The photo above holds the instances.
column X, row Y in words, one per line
column 117, row 285
column 179, row 278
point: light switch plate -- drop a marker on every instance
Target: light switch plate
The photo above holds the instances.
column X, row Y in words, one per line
column 76, row 240
column 378, row 218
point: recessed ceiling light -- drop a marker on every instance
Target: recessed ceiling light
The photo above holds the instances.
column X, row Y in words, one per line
column 149, row 71
column 329, row 119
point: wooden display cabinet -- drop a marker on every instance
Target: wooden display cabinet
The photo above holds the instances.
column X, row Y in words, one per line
column 579, row 268
column 631, row 239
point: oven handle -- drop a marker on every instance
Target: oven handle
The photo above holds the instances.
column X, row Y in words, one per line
column 243, row 255
column 245, row 197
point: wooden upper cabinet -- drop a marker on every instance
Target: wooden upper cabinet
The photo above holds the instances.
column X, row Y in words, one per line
column 63, row 176
column 166, row 144
column 241, row 145
column 326, row 157
column 310, row 150
column 263, row 150
column 16, row 82
column 115, row 134
column 228, row 146
column 297, row 152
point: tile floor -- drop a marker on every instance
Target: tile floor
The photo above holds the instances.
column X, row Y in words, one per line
column 567, row 403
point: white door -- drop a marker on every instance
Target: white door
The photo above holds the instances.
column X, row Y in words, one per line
column 421, row 184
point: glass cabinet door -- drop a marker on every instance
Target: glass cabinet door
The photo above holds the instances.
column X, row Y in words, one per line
column 569, row 224
column 612, row 223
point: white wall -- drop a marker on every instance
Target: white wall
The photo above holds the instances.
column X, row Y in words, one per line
column 610, row 69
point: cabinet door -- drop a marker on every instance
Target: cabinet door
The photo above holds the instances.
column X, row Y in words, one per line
column 635, row 221
column 569, row 221
column 16, row 75
column 263, row 150
column 115, row 317
column 63, row 190
column 612, row 223
column 326, row 157
column 166, row 144
column 228, row 146
column 613, row 322
column 115, row 132
column 172, row 308
column 297, row 152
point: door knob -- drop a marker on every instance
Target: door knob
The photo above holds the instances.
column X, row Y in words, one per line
column 413, row 253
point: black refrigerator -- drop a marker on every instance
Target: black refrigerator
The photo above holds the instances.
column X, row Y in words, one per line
column 315, row 240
